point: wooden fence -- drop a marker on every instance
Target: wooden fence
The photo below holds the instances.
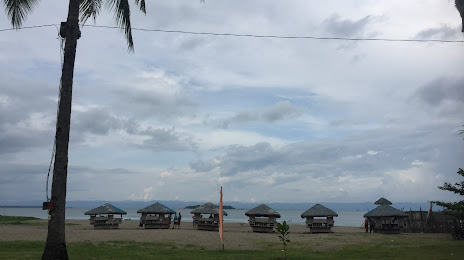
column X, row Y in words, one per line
column 420, row 221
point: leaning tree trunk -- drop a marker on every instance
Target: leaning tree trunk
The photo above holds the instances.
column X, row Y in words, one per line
column 55, row 247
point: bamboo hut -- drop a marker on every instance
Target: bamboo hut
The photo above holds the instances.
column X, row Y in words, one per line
column 319, row 219
column 262, row 218
column 156, row 216
column 103, row 216
column 206, row 222
column 387, row 219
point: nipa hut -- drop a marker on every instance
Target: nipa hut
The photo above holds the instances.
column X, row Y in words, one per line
column 262, row 218
column 103, row 216
column 386, row 218
column 156, row 216
column 206, row 222
column 319, row 219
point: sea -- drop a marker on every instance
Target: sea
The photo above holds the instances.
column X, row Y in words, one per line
column 345, row 218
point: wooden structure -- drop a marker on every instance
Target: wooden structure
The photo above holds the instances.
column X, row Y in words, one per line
column 156, row 216
column 386, row 218
column 103, row 216
column 319, row 219
column 262, row 218
column 429, row 222
column 210, row 220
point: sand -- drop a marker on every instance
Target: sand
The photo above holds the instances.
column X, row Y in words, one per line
column 236, row 235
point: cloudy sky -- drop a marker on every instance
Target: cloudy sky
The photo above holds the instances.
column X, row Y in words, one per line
column 270, row 120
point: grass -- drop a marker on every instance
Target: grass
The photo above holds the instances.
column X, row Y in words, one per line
column 19, row 220
column 387, row 247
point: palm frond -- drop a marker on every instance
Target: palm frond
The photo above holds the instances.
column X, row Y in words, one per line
column 89, row 8
column 17, row 10
column 141, row 4
column 122, row 16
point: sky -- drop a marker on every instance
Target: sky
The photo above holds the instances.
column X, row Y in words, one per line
column 268, row 119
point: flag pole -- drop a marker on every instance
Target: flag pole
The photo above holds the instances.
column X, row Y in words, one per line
column 221, row 221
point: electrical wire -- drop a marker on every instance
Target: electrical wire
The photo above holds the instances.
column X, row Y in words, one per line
column 256, row 35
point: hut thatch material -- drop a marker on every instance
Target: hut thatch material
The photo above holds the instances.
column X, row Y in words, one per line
column 106, row 208
column 262, row 211
column 262, row 218
column 385, row 211
column 319, row 211
column 156, row 208
column 382, row 201
column 208, row 208
column 105, row 220
column 210, row 223
column 156, row 216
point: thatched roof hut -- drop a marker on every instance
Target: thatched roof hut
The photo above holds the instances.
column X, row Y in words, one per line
column 385, row 211
column 105, row 218
column 262, row 211
column 262, row 218
column 156, row 216
column 156, row 208
column 382, row 201
column 208, row 208
column 319, row 219
column 319, row 211
column 210, row 223
column 385, row 218
column 106, row 208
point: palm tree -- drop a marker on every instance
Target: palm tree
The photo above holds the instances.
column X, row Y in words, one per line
column 17, row 11
column 460, row 6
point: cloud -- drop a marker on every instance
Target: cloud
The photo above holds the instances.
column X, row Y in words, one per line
column 339, row 27
column 440, row 90
column 443, row 32
column 282, row 110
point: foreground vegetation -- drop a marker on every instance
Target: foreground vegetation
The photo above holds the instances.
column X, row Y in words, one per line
column 389, row 247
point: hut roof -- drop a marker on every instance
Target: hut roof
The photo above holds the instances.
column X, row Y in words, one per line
column 208, row 208
column 105, row 209
column 383, row 201
column 319, row 211
column 156, row 208
column 262, row 211
column 385, row 211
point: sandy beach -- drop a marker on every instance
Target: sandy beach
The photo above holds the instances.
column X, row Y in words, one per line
column 236, row 235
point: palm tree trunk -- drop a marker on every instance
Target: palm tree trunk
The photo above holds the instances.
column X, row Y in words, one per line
column 55, row 247
column 460, row 6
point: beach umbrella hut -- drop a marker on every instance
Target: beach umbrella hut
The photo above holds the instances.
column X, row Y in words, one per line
column 156, row 216
column 387, row 219
column 319, row 219
column 211, row 219
column 103, row 216
column 262, row 218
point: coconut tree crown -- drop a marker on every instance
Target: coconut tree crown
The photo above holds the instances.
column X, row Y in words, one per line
column 17, row 11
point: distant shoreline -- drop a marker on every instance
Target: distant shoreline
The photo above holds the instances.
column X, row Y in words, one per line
column 21, row 207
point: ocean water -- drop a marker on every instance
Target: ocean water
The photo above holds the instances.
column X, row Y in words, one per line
column 345, row 218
